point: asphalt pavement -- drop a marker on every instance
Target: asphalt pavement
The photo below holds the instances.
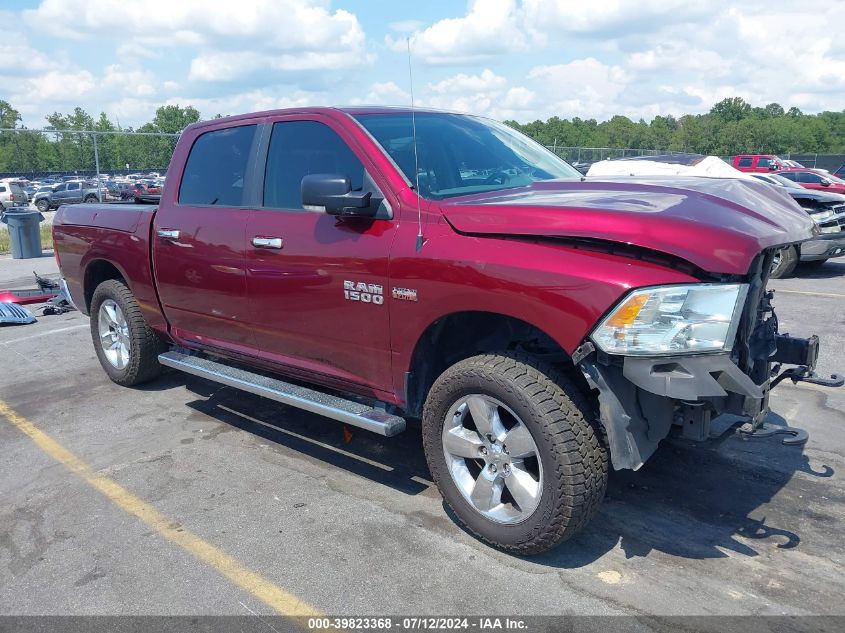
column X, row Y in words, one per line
column 190, row 498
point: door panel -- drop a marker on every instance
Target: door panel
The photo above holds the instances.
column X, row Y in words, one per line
column 298, row 307
column 199, row 242
column 319, row 302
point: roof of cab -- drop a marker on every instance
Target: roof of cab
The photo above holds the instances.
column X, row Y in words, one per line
column 331, row 110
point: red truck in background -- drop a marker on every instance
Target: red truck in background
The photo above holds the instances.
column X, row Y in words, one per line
column 761, row 163
column 376, row 264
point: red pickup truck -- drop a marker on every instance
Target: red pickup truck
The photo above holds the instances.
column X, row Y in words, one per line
column 375, row 265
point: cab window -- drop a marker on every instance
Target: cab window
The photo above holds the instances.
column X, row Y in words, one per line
column 216, row 167
column 300, row 148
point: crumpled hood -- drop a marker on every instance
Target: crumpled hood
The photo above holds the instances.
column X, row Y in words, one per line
column 718, row 224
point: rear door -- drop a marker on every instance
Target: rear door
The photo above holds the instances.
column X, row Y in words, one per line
column 318, row 294
column 198, row 242
column 744, row 163
column 72, row 193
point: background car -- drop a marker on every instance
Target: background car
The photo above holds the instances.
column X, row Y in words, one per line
column 757, row 162
column 814, row 179
column 828, row 212
column 12, row 195
column 70, row 192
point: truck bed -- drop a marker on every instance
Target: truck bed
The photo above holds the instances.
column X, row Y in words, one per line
column 120, row 216
column 90, row 239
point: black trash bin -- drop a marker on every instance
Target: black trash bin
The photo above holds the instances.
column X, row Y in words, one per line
column 24, row 232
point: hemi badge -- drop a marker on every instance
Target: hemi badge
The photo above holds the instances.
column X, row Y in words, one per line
column 404, row 294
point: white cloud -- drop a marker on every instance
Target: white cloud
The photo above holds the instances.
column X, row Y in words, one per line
column 405, row 26
column 486, row 93
column 18, row 58
column 584, row 87
column 522, row 59
column 489, row 28
column 254, row 35
column 383, row 93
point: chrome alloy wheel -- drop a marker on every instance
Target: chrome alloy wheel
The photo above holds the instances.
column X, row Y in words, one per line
column 114, row 334
column 492, row 459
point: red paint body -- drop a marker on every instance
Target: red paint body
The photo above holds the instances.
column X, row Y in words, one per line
column 759, row 163
column 542, row 254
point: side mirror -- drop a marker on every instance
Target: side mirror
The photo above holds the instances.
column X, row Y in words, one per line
column 332, row 194
column 774, row 167
column 824, row 182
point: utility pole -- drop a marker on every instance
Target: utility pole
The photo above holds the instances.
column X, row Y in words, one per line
column 97, row 166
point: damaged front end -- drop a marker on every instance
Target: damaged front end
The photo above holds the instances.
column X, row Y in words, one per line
column 644, row 392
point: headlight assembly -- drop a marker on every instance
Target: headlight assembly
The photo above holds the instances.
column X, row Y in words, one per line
column 665, row 320
column 822, row 217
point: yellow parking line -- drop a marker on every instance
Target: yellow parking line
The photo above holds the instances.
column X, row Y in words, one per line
column 277, row 598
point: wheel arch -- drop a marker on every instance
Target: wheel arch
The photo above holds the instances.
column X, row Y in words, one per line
column 96, row 272
column 454, row 337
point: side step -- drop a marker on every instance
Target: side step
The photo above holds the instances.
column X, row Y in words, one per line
column 347, row 411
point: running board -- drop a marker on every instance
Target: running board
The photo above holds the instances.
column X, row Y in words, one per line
column 347, row 411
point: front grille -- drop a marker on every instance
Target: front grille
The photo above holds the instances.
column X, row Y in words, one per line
column 13, row 313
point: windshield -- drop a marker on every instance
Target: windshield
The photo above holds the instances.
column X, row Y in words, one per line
column 459, row 154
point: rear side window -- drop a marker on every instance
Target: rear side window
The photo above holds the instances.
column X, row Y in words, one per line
column 2, row 189
column 71, row 186
column 809, row 177
column 745, row 162
column 790, row 175
column 214, row 173
column 300, row 148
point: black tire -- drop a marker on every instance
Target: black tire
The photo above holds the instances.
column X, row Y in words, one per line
column 785, row 263
column 42, row 205
column 563, row 424
column 144, row 347
column 90, row 199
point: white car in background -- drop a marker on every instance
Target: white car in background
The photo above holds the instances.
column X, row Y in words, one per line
column 12, row 195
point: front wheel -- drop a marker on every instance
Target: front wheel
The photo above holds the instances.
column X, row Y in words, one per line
column 784, row 262
column 126, row 346
column 516, row 451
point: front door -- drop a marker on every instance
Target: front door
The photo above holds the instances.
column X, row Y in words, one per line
column 318, row 284
column 199, row 240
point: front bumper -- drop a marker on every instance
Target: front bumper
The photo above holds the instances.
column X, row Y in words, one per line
column 823, row 246
column 641, row 398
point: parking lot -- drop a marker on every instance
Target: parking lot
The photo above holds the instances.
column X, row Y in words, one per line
column 191, row 498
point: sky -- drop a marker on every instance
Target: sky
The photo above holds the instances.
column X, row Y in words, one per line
column 508, row 59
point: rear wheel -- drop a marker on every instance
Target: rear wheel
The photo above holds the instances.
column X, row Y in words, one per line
column 126, row 346
column 515, row 449
column 42, row 205
column 784, row 262
column 91, row 199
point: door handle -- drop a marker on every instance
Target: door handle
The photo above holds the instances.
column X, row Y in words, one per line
column 267, row 242
column 168, row 234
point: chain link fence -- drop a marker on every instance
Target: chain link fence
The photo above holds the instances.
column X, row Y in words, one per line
column 586, row 155
column 594, row 154
column 37, row 154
